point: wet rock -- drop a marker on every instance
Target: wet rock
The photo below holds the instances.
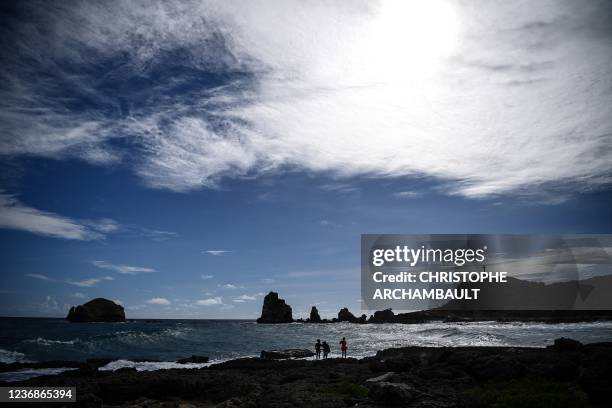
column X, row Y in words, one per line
column 97, row 310
column 275, row 310
column 193, row 359
column 288, row 353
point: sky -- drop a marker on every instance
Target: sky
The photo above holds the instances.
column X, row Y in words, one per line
column 185, row 158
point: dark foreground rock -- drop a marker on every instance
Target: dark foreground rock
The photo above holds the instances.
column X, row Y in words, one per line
column 275, row 310
column 288, row 353
column 193, row 359
column 97, row 310
column 471, row 377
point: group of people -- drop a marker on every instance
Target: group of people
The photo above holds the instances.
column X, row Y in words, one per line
column 326, row 349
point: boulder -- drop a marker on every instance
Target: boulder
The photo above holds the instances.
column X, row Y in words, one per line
column 288, row 353
column 381, row 378
column 193, row 359
column 383, row 316
column 391, row 393
column 344, row 315
column 314, row 315
column 97, row 310
column 275, row 310
column 565, row 344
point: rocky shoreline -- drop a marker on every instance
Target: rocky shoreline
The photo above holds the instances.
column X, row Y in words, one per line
column 566, row 374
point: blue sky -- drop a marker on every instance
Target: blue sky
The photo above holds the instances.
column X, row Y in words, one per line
column 185, row 158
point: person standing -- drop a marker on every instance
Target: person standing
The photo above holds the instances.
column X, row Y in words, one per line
column 343, row 347
column 318, row 348
column 326, row 349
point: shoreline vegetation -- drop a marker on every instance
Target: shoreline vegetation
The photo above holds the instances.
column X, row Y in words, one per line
column 565, row 374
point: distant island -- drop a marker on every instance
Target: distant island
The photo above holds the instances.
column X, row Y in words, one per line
column 517, row 300
column 97, row 310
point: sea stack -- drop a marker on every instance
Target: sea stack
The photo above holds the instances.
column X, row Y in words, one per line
column 344, row 315
column 314, row 315
column 97, row 310
column 275, row 310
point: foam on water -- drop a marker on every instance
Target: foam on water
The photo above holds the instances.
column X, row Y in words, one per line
column 7, row 356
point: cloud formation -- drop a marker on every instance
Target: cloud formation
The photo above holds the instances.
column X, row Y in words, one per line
column 159, row 301
column 209, row 302
column 40, row 276
column 17, row 216
column 216, row 252
column 88, row 283
column 124, row 269
column 500, row 98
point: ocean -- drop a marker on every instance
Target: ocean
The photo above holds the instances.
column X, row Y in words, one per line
column 163, row 341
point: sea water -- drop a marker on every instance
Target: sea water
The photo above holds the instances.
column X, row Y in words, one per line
column 163, row 341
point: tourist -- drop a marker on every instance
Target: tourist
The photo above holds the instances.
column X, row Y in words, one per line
column 343, row 347
column 318, row 348
column 326, row 349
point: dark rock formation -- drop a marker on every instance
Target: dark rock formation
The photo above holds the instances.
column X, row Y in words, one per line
column 97, row 310
column 193, row 359
column 564, row 344
column 391, row 393
column 288, row 353
column 344, row 315
column 314, row 315
column 383, row 316
column 518, row 294
column 275, row 310
column 470, row 377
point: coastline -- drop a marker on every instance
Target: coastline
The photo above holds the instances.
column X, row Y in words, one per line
column 408, row 376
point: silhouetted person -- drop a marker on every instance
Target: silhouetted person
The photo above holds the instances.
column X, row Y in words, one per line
column 326, row 349
column 318, row 348
column 343, row 347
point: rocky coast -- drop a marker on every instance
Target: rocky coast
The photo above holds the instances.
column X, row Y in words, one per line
column 564, row 374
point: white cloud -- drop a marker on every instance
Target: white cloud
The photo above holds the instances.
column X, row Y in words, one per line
column 216, row 252
column 267, row 280
column 206, row 277
column 40, row 276
column 88, row 283
column 158, row 235
column 124, row 269
column 159, row 301
column 502, row 98
column 231, row 286
column 78, row 295
column 408, row 194
column 209, row 301
column 18, row 216
column 246, row 297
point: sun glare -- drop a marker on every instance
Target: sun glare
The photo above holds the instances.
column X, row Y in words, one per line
column 407, row 38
